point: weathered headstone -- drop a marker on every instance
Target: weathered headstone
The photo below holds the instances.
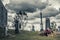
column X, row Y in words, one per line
column 33, row 28
column 16, row 25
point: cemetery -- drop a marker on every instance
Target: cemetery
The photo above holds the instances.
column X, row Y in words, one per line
column 20, row 32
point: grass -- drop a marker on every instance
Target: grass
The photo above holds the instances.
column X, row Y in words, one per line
column 58, row 37
column 25, row 35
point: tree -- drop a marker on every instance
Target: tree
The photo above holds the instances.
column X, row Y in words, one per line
column 53, row 26
column 23, row 17
column 18, row 21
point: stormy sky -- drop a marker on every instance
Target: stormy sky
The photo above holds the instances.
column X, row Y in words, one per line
column 49, row 8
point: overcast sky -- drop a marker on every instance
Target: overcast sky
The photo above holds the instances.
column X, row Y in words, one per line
column 34, row 7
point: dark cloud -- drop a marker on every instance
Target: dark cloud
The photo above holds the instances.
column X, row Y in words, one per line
column 30, row 6
column 48, row 12
column 2, row 0
column 22, row 7
column 58, row 16
column 42, row 6
column 25, row 6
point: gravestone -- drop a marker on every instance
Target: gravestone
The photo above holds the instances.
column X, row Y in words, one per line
column 33, row 28
column 16, row 25
column 59, row 28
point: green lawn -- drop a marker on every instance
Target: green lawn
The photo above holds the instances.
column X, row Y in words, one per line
column 25, row 35
column 58, row 37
